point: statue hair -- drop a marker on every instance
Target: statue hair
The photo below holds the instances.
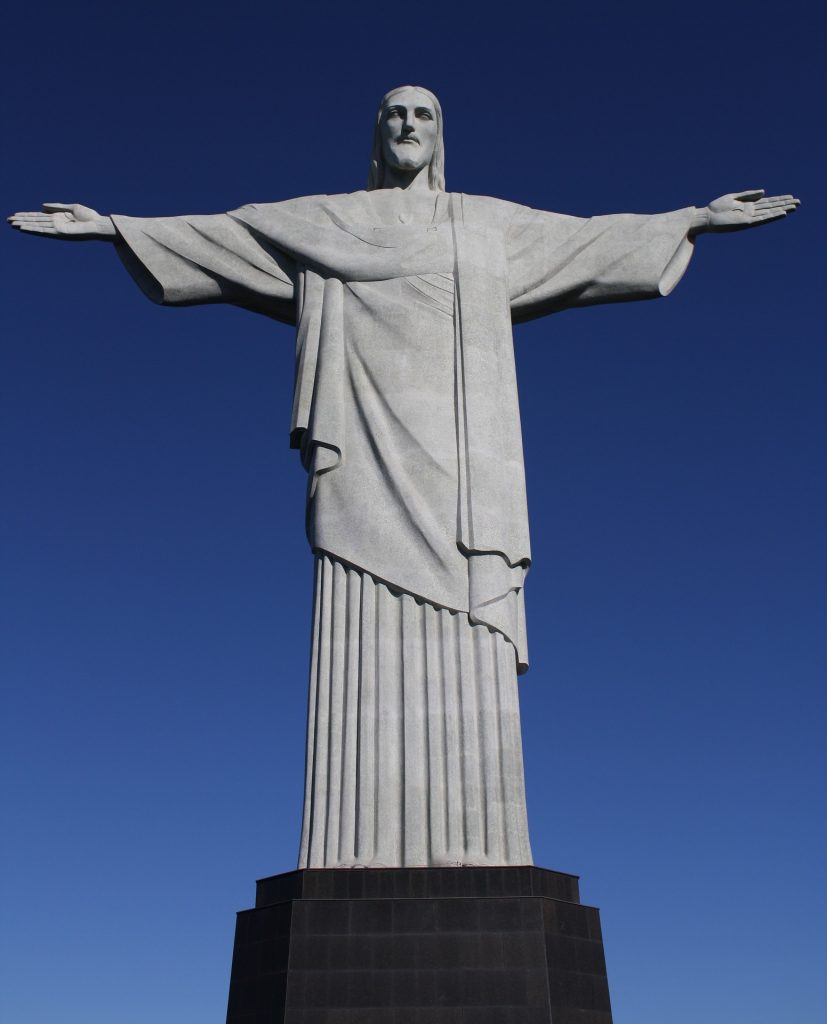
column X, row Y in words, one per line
column 436, row 168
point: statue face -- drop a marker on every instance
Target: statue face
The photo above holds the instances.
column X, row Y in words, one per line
column 408, row 128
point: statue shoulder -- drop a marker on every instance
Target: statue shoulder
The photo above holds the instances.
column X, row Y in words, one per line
column 494, row 211
column 294, row 204
column 309, row 209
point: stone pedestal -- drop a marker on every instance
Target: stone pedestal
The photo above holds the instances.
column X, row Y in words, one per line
column 508, row 945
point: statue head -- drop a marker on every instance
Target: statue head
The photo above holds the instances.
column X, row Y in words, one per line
column 408, row 136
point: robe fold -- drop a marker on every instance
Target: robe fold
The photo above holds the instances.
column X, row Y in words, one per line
column 405, row 403
column 405, row 410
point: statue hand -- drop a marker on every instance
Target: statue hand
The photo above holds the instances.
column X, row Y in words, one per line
column 740, row 210
column 69, row 221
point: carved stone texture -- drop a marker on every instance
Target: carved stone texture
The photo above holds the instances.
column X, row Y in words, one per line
column 407, row 419
column 406, row 416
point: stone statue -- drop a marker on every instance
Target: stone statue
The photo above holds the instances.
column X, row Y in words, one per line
column 406, row 417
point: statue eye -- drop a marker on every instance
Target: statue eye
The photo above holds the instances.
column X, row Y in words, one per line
column 425, row 115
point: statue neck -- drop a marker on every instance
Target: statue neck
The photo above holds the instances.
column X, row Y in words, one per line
column 411, row 181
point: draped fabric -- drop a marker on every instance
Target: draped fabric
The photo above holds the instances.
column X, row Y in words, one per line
column 407, row 419
column 405, row 401
column 414, row 755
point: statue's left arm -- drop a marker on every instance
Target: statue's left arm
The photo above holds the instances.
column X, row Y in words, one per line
column 739, row 210
column 557, row 262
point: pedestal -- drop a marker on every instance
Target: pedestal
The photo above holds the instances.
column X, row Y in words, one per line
column 509, row 945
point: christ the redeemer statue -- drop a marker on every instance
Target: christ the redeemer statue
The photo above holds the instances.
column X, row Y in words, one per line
column 406, row 416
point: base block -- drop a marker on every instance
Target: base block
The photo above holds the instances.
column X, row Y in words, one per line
column 510, row 945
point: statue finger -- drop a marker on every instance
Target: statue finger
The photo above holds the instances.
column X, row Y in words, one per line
column 772, row 207
column 31, row 216
column 773, row 201
column 749, row 196
column 36, row 229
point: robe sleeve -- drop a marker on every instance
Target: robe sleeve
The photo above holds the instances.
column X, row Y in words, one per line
column 557, row 262
column 185, row 261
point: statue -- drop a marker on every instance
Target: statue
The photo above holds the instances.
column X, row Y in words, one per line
column 406, row 418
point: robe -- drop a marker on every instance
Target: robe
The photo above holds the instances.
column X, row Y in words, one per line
column 406, row 416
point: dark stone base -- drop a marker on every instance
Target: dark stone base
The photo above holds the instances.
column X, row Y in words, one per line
column 419, row 946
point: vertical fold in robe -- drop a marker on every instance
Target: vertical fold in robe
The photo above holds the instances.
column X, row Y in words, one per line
column 414, row 756
column 492, row 527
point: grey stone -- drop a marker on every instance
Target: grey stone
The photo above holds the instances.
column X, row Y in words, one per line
column 406, row 416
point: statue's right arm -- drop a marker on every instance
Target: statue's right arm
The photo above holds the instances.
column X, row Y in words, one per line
column 68, row 221
column 182, row 261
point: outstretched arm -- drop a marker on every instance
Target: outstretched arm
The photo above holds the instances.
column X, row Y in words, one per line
column 69, row 221
column 739, row 210
column 181, row 261
column 559, row 262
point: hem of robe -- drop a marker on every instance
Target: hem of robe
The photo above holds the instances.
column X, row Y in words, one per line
column 476, row 614
column 677, row 266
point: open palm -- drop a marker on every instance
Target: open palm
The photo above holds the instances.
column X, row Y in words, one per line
column 69, row 221
column 739, row 210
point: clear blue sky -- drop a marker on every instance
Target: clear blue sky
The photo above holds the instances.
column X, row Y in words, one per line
column 156, row 581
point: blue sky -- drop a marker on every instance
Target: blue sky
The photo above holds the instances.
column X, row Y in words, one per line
column 157, row 597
